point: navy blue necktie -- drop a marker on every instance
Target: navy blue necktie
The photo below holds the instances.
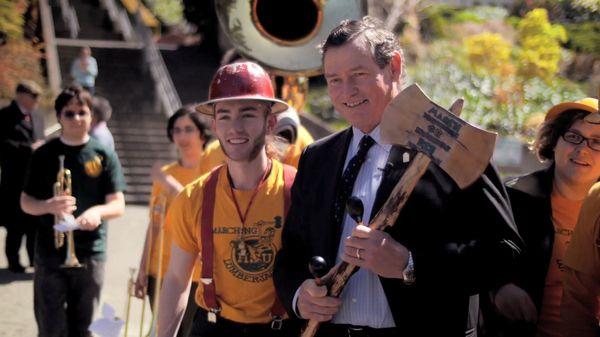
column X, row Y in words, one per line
column 349, row 178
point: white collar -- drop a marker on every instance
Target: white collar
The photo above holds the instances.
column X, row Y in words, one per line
column 357, row 135
column 23, row 111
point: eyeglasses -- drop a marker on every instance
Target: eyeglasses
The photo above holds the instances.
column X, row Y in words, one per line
column 576, row 139
column 71, row 114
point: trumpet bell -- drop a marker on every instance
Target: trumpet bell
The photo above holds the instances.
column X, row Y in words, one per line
column 283, row 35
column 71, row 260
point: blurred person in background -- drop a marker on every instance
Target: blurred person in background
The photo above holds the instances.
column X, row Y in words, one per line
column 101, row 113
column 190, row 132
column 84, row 70
column 21, row 132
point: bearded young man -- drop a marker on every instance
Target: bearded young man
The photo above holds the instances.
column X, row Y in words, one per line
column 231, row 217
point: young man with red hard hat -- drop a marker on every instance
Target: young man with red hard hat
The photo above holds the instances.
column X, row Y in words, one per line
column 232, row 217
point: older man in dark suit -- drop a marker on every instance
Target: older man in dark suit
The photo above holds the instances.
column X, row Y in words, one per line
column 21, row 132
column 415, row 279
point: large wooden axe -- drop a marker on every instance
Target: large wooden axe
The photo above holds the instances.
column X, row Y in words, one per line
column 412, row 120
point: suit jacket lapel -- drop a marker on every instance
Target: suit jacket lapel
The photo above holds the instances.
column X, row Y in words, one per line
column 394, row 169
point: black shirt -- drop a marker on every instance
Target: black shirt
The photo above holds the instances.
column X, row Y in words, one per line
column 95, row 172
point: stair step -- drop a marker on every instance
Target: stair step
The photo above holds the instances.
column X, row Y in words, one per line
column 137, row 189
column 154, row 139
column 158, row 155
column 139, row 123
column 136, row 170
column 123, row 131
column 137, row 199
column 142, row 162
column 138, row 179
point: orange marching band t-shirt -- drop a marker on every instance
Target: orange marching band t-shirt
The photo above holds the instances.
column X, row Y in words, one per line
column 184, row 176
column 583, row 254
column 244, row 254
column 564, row 217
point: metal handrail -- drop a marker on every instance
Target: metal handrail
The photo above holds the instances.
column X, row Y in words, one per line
column 120, row 20
column 73, row 23
column 164, row 84
column 69, row 18
column 54, row 78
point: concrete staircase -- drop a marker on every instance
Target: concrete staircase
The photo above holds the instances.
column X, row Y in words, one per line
column 138, row 124
column 191, row 69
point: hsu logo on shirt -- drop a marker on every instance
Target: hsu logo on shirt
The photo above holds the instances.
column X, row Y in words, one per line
column 252, row 256
column 93, row 167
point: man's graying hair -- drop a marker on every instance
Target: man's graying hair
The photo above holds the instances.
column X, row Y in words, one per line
column 383, row 42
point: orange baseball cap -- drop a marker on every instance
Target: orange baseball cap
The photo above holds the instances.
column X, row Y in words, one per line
column 587, row 104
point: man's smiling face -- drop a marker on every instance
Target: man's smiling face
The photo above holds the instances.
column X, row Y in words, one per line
column 241, row 127
column 359, row 89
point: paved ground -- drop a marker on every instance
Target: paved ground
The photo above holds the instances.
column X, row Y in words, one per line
column 125, row 241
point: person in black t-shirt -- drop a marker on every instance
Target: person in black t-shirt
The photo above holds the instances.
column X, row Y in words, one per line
column 65, row 298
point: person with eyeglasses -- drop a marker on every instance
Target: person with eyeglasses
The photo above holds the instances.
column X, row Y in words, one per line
column 21, row 132
column 546, row 205
column 190, row 132
column 65, row 298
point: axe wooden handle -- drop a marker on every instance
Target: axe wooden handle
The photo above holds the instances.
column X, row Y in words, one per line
column 386, row 217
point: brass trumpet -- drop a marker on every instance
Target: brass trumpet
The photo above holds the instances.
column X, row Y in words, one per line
column 157, row 222
column 62, row 186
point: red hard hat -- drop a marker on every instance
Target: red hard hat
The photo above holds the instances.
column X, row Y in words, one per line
column 241, row 81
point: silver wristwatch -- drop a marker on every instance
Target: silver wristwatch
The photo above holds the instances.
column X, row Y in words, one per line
column 408, row 274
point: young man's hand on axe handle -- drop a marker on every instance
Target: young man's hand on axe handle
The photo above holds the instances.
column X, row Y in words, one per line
column 412, row 120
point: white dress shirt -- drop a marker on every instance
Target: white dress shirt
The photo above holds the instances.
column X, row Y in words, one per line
column 363, row 299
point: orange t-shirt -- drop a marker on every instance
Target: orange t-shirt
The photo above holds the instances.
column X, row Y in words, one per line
column 184, row 176
column 564, row 218
column 293, row 152
column 244, row 254
column 213, row 155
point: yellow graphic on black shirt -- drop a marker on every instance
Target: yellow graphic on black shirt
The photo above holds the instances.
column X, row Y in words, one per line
column 93, row 167
column 252, row 257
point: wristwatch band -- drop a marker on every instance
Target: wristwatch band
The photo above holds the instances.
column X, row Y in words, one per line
column 408, row 274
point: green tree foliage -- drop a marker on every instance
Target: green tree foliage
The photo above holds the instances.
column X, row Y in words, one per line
column 170, row 12
column 18, row 60
column 503, row 104
column 11, row 20
column 489, row 53
column 19, row 57
column 540, row 45
column 584, row 37
column 589, row 5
